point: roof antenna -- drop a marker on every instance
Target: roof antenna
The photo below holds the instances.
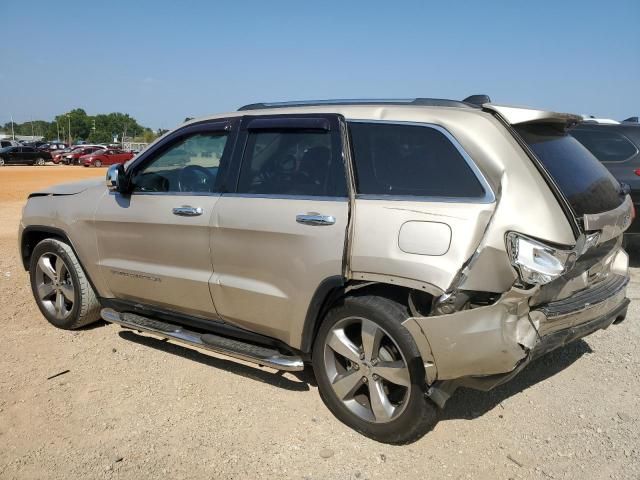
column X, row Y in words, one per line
column 480, row 99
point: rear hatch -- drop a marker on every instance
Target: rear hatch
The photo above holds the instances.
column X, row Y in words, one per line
column 593, row 199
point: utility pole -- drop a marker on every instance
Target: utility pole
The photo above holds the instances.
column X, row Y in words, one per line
column 58, row 129
column 13, row 133
column 69, row 119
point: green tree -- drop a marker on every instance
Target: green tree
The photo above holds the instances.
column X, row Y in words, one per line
column 148, row 136
column 99, row 137
column 82, row 127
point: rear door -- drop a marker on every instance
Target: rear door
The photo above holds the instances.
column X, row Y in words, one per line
column 28, row 154
column 154, row 244
column 421, row 206
column 281, row 231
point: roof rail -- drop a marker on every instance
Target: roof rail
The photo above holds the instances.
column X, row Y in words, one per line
column 423, row 102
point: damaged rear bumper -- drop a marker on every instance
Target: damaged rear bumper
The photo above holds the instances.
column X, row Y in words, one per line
column 487, row 346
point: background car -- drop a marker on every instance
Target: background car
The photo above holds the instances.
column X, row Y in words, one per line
column 55, row 147
column 8, row 143
column 73, row 157
column 25, row 155
column 109, row 156
column 617, row 146
column 57, row 156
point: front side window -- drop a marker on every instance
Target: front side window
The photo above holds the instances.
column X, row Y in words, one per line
column 291, row 162
column 189, row 165
column 605, row 145
column 410, row 160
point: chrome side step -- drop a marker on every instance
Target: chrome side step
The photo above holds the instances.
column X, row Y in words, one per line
column 260, row 355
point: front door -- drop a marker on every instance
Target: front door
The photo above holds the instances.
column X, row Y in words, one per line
column 282, row 231
column 154, row 244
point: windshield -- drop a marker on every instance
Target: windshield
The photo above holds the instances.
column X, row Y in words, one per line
column 584, row 181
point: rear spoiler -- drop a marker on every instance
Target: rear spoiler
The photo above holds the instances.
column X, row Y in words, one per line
column 519, row 115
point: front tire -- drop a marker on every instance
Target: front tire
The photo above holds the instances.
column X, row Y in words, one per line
column 369, row 371
column 60, row 286
column 97, row 163
column 40, row 162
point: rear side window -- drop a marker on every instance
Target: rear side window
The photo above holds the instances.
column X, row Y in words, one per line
column 606, row 146
column 410, row 160
column 292, row 162
column 585, row 182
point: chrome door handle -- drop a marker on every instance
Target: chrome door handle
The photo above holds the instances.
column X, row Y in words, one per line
column 315, row 219
column 187, row 211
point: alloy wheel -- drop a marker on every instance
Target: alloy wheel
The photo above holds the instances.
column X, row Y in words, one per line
column 367, row 370
column 54, row 285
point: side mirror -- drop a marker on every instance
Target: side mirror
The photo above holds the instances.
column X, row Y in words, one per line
column 117, row 178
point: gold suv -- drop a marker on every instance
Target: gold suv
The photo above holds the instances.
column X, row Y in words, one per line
column 402, row 248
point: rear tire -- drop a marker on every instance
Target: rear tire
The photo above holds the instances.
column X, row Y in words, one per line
column 60, row 287
column 97, row 163
column 1, row 162
column 40, row 162
column 363, row 338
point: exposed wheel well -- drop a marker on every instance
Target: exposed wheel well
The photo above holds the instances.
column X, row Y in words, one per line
column 415, row 301
column 34, row 235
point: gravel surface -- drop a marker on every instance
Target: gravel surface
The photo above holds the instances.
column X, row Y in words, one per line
column 129, row 406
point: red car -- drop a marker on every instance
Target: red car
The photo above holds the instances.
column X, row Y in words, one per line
column 58, row 156
column 109, row 156
column 73, row 157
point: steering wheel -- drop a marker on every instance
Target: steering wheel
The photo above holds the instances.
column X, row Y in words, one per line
column 194, row 178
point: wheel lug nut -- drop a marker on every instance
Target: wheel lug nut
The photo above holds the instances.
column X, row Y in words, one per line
column 362, row 356
column 356, row 366
column 365, row 379
column 375, row 377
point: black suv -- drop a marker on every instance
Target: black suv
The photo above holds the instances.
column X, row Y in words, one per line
column 617, row 146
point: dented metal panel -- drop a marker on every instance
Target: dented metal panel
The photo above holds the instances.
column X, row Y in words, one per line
column 612, row 223
column 481, row 341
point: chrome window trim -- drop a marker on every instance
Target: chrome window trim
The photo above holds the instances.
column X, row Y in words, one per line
column 282, row 196
column 426, row 199
column 488, row 197
column 175, row 194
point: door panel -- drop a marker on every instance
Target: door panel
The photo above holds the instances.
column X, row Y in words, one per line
column 149, row 255
column 267, row 266
column 155, row 244
column 283, row 231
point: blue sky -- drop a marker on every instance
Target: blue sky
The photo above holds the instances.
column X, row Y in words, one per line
column 163, row 61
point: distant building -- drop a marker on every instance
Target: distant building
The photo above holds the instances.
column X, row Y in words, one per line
column 24, row 138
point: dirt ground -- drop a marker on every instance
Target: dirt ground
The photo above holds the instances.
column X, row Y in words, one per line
column 132, row 406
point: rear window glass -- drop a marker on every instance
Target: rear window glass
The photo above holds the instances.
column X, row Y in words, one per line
column 606, row 146
column 585, row 182
column 410, row 160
